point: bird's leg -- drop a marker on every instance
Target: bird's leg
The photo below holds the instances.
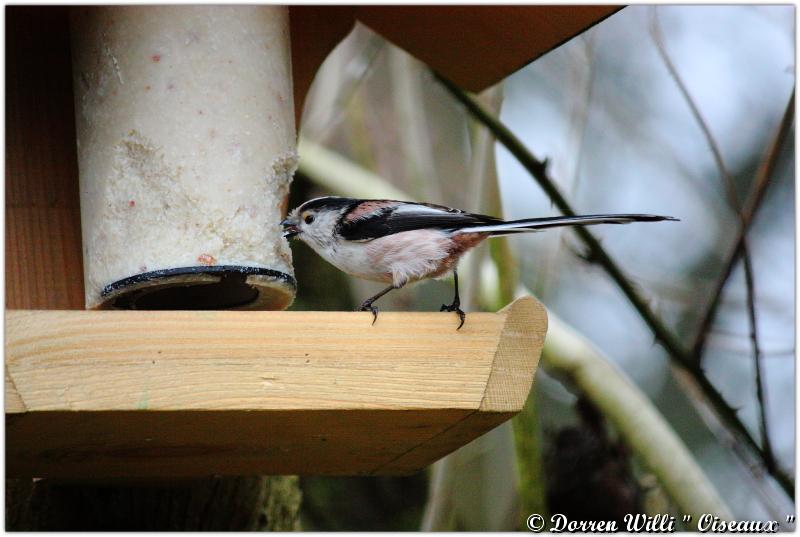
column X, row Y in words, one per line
column 367, row 304
column 456, row 305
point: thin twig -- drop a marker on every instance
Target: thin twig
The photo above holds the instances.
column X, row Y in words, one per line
column 729, row 185
column 538, row 169
column 763, row 180
column 761, row 387
column 749, row 278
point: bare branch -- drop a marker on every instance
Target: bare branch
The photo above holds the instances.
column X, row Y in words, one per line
column 763, row 180
column 655, row 32
column 733, row 199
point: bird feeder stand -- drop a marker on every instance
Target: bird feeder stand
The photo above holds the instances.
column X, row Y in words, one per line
column 186, row 145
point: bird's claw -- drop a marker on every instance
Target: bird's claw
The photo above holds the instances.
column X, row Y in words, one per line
column 370, row 308
column 456, row 308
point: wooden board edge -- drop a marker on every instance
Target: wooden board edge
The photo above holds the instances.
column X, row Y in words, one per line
column 187, row 444
column 507, row 388
column 14, row 402
column 447, row 441
column 517, row 356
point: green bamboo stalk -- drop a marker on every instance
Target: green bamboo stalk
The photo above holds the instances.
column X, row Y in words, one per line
column 527, row 424
column 568, row 355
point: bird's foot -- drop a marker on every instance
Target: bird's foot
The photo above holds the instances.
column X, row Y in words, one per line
column 456, row 307
column 367, row 306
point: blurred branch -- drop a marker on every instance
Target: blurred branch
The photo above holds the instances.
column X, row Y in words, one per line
column 337, row 173
column 733, row 199
column 763, row 179
column 478, row 185
column 761, row 386
column 325, row 110
column 568, row 355
column 538, row 169
column 581, row 90
column 411, row 123
column 489, row 202
column 527, row 424
column 730, row 186
column 438, row 514
column 489, row 467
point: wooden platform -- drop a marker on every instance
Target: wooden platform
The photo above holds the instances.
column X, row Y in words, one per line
column 160, row 394
column 138, row 394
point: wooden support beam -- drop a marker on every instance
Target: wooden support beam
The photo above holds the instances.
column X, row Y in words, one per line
column 44, row 266
column 198, row 393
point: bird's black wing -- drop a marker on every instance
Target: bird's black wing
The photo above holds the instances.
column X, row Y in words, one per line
column 406, row 216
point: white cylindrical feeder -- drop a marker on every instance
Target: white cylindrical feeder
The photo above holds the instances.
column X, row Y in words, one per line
column 186, row 148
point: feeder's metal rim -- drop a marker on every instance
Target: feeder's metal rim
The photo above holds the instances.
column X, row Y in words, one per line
column 182, row 271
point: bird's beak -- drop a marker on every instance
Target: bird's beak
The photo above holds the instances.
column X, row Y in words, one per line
column 290, row 228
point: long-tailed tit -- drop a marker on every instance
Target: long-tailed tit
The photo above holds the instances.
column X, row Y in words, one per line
column 399, row 242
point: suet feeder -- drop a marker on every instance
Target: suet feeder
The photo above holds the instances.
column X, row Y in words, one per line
column 186, row 148
column 148, row 160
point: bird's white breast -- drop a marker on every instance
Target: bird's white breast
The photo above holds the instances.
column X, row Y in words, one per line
column 398, row 258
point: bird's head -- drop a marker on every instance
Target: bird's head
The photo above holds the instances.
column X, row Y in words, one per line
column 315, row 221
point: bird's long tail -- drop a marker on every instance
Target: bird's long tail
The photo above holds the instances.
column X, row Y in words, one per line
column 536, row 224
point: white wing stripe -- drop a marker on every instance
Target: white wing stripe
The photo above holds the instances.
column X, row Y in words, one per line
column 418, row 209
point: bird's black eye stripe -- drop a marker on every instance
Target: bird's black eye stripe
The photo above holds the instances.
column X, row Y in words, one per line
column 308, row 219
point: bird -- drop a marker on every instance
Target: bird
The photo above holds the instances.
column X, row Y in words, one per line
column 400, row 242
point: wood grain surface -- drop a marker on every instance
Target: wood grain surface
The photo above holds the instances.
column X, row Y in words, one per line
column 44, row 267
column 127, row 394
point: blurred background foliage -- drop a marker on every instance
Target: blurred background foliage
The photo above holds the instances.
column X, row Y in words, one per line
column 619, row 135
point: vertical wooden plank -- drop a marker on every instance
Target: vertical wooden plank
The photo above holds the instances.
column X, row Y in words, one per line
column 43, row 235
column 315, row 32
